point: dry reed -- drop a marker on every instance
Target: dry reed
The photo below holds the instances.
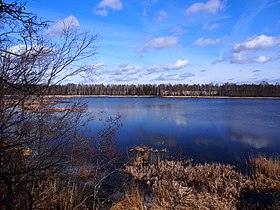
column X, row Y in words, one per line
column 133, row 201
column 183, row 185
column 266, row 172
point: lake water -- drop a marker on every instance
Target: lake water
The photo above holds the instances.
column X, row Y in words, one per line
column 205, row 129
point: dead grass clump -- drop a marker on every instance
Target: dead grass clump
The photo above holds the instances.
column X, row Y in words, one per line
column 267, row 166
column 266, row 172
column 132, row 201
column 184, row 185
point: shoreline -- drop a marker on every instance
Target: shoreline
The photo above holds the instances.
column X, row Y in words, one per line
column 151, row 96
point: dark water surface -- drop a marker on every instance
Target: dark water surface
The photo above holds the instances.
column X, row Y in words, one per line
column 205, row 129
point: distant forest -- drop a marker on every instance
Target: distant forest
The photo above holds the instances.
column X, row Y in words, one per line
column 228, row 89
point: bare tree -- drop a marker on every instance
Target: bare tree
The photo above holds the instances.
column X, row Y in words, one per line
column 39, row 141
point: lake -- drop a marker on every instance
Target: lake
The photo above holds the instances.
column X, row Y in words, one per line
column 206, row 129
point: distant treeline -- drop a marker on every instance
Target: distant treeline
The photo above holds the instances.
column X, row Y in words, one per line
column 227, row 89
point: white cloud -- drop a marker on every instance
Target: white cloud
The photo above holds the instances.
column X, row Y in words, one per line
column 98, row 66
column 242, row 58
column 178, row 31
column 239, row 58
column 218, row 61
column 257, row 43
column 253, row 50
column 161, row 15
column 263, row 59
column 212, row 26
column 21, row 49
column 211, row 6
column 126, row 79
column 18, row 49
column 59, row 27
column 159, row 43
column 101, row 12
column 179, row 64
column 207, row 42
column 110, row 4
column 124, row 70
column 173, row 77
column 129, row 69
column 104, row 6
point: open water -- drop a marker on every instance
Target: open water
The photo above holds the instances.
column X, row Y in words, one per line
column 206, row 129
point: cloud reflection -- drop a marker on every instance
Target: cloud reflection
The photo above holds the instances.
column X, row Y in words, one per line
column 253, row 141
column 156, row 112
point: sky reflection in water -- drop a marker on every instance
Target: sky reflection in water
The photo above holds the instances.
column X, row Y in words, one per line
column 205, row 129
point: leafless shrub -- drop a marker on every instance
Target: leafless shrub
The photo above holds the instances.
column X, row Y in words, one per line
column 44, row 161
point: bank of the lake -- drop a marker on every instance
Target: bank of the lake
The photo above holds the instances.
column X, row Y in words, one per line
column 152, row 96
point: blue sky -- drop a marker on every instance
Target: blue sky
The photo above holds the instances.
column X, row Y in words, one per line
column 175, row 41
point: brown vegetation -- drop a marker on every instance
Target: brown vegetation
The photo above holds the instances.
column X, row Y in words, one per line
column 186, row 185
column 265, row 173
column 39, row 106
column 180, row 184
column 40, row 109
column 45, row 161
column 133, row 200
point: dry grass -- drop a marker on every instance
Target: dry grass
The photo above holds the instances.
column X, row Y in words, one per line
column 266, row 172
column 133, row 201
column 182, row 185
column 267, row 166
column 40, row 102
column 39, row 106
column 44, row 106
column 29, row 102
column 40, row 109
